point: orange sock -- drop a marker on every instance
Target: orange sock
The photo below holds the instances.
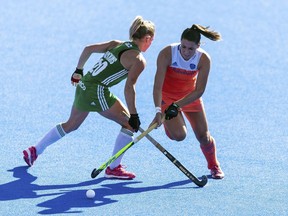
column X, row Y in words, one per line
column 209, row 152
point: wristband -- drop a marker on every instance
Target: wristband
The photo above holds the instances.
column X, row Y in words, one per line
column 158, row 109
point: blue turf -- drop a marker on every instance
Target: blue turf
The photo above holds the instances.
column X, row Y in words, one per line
column 245, row 100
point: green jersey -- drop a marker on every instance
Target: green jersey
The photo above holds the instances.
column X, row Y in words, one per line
column 108, row 70
column 92, row 92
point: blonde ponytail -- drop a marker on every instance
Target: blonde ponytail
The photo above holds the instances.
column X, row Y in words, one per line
column 140, row 27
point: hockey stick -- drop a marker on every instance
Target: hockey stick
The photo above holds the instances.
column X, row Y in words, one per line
column 193, row 178
column 96, row 171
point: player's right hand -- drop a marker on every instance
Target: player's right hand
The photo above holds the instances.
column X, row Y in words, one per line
column 157, row 119
column 76, row 76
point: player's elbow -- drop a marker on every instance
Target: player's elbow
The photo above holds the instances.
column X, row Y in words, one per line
column 199, row 92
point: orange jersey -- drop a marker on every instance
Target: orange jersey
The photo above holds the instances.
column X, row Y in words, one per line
column 180, row 78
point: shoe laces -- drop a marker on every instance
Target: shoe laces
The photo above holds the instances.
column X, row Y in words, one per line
column 216, row 169
column 121, row 167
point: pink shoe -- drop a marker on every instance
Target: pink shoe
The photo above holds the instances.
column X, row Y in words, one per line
column 119, row 173
column 30, row 155
column 217, row 173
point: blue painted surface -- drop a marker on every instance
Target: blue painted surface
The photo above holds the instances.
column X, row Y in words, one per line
column 245, row 100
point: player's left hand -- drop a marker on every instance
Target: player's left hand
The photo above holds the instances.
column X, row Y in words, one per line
column 171, row 111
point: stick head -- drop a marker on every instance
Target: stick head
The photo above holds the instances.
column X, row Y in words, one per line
column 203, row 181
column 95, row 172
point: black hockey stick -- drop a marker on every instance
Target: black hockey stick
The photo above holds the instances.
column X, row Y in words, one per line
column 193, row 178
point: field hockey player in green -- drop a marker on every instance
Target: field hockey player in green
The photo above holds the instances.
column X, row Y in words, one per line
column 121, row 60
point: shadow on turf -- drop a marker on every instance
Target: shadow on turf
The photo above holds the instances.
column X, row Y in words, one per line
column 67, row 198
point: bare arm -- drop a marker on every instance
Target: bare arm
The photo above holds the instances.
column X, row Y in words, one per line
column 204, row 68
column 95, row 48
column 86, row 53
column 135, row 63
column 163, row 61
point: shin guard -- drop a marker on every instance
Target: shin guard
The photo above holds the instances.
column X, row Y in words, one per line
column 209, row 152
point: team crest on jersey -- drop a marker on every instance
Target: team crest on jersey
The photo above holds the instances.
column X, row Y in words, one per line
column 192, row 66
column 129, row 45
column 175, row 64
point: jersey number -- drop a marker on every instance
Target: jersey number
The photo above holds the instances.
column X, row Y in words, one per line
column 99, row 67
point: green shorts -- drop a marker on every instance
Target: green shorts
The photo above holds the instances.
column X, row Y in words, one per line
column 93, row 97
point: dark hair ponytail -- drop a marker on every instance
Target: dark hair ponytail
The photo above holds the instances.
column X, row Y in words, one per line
column 194, row 33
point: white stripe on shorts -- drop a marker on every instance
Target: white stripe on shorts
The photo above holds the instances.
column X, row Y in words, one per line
column 101, row 97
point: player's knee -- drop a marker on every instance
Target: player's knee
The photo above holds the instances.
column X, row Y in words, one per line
column 178, row 136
